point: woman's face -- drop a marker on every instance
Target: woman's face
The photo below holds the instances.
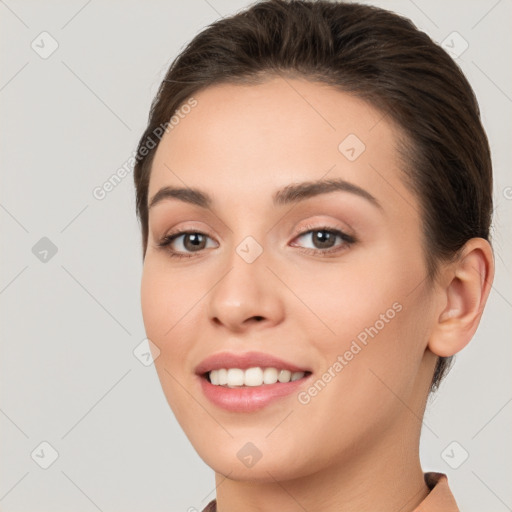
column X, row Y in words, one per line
column 328, row 281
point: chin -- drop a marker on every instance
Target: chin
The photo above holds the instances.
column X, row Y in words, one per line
column 243, row 461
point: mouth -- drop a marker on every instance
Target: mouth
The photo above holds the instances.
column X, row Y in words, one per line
column 252, row 377
column 250, row 381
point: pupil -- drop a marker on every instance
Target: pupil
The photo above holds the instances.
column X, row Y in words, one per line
column 195, row 240
column 324, row 237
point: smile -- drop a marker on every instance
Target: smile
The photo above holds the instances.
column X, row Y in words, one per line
column 257, row 376
column 249, row 381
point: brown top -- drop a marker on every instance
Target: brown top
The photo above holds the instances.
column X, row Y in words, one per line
column 440, row 498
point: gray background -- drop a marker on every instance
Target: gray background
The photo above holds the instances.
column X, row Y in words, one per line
column 70, row 323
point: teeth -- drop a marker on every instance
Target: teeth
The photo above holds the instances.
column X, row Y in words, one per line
column 223, row 377
column 284, row 376
column 252, row 377
column 256, row 376
column 235, row 377
column 269, row 376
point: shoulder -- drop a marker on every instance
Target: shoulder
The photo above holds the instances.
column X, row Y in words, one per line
column 440, row 496
column 211, row 507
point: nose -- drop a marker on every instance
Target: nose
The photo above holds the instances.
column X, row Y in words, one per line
column 247, row 295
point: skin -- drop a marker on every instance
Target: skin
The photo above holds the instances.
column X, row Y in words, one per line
column 359, row 437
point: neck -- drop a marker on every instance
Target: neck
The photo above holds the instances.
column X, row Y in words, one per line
column 386, row 479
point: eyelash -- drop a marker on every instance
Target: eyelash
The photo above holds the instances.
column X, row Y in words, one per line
column 348, row 240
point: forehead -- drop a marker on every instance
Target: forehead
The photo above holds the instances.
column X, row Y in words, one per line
column 248, row 140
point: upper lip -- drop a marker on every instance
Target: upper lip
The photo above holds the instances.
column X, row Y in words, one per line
column 243, row 361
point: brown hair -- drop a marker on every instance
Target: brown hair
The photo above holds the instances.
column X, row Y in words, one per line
column 371, row 53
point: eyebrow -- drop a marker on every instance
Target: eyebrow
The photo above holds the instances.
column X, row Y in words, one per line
column 292, row 193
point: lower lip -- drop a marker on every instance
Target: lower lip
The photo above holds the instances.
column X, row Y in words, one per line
column 249, row 398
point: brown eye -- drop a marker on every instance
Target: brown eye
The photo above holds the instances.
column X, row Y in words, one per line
column 185, row 243
column 325, row 238
column 194, row 241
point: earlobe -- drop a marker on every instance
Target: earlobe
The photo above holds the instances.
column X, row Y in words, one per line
column 468, row 283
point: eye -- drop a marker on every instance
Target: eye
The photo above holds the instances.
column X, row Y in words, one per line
column 322, row 240
column 182, row 243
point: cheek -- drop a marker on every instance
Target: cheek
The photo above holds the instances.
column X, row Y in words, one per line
column 370, row 312
column 168, row 307
column 167, row 315
column 155, row 302
column 348, row 298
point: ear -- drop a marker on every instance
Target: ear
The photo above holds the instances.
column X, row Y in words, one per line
column 466, row 284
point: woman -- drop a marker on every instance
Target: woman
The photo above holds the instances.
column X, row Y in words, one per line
column 315, row 192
